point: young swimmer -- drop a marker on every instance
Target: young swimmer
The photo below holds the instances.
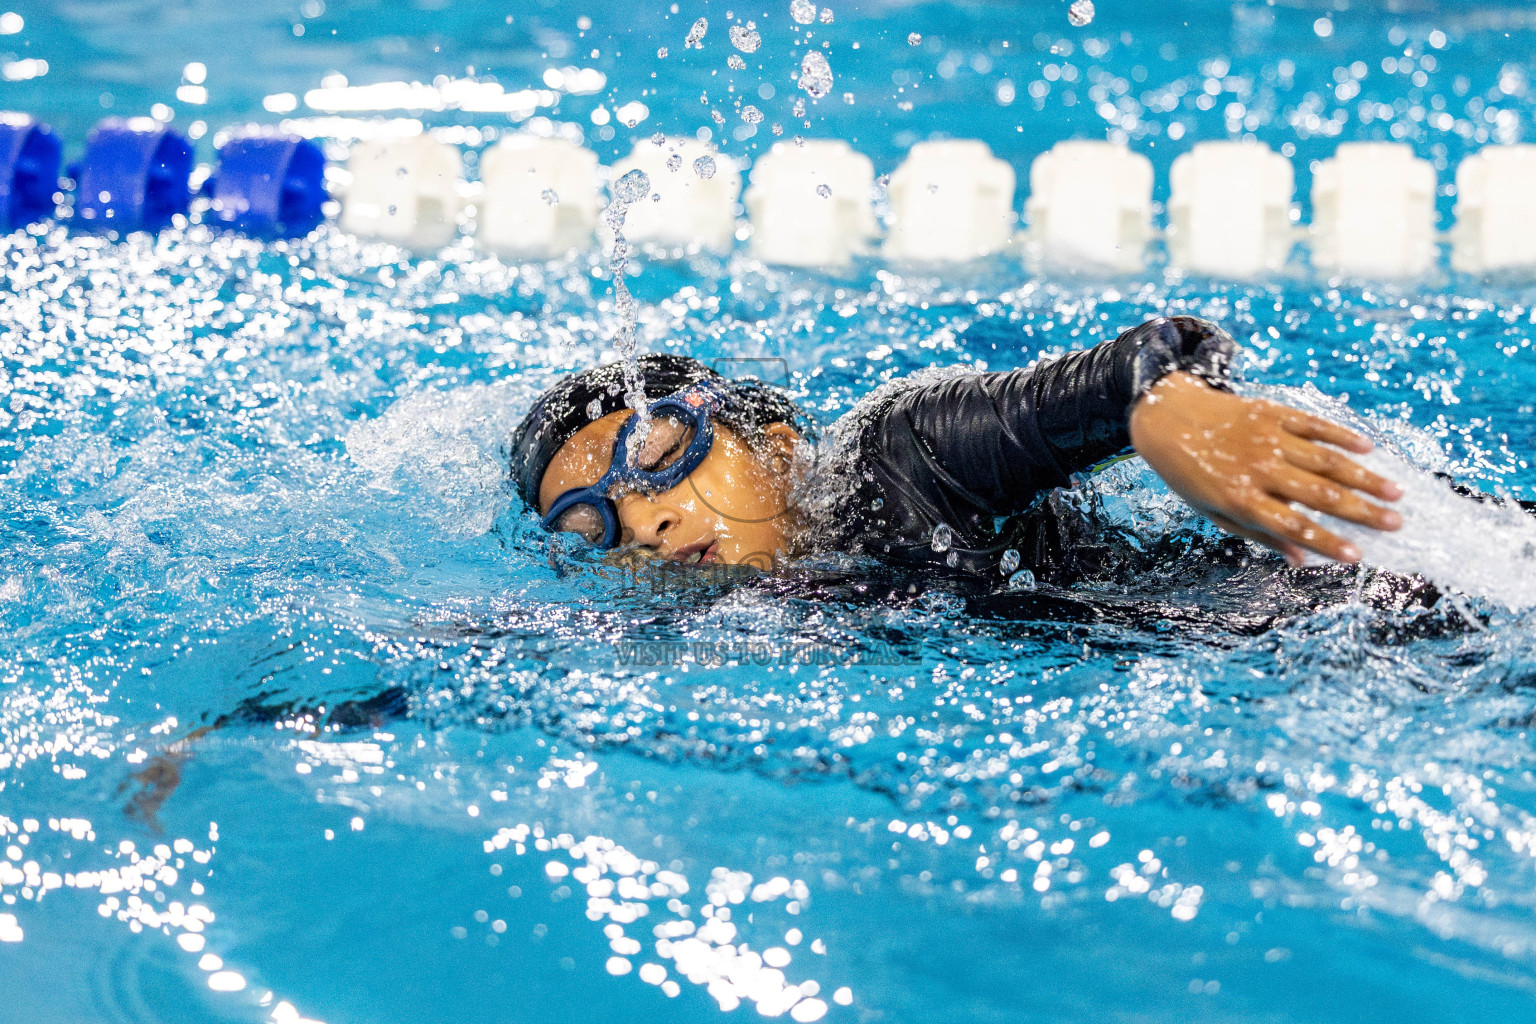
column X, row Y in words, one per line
column 951, row 471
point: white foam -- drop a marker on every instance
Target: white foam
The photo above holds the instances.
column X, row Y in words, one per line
column 1484, row 548
column 440, row 449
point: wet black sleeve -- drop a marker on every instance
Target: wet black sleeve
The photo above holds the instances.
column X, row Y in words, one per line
column 965, row 451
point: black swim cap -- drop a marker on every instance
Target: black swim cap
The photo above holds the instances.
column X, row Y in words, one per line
column 747, row 407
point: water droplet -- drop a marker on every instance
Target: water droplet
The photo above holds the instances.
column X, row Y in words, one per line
column 401, row 172
column 953, row 559
column 877, row 504
column 745, row 37
column 884, row 181
column 661, row 54
column 674, row 162
column 824, row 190
column 943, row 536
column 1080, row 13
column 803, row 11
column 798, row 107
column 914, row 39
column 393, row 209
column 719, row 117
column 595, row 409
column 1022, row 580
column 815, row 75
column 696, row 34
column 1010, row 562
column 751, row 114
column 826, row 15
column 550, row 196
column 658, row 139
column 736, row 63
column 632, row 187
column 777, row 129
column 704, row 167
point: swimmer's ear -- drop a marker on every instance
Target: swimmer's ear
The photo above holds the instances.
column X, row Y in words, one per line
column 778, row 445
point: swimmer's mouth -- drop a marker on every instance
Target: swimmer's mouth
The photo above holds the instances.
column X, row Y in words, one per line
column 704, row 551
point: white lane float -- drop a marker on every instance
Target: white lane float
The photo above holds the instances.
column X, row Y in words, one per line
column 694, row 195
column 539, row 197
column 950, row 201
column 1495, row 226
column 404, row 190
column 1229, row 214
column 1373, row 211
column 1090, row 206
column 810, row 203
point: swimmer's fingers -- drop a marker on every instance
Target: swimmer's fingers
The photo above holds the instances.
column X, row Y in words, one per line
column 1315, row 428
column 1340, row 468
column 1279, row 520
column 1292, row 553
column 1328, row 496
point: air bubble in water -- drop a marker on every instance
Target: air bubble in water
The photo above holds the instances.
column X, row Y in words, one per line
column 674, row 162
column 943, row 536
column 1080, row 13
column 695, row 38
column 735, row 63
column 1010, row 562
column 745, row 37
column 550, row 197
column 595, row 409
column 914, row 39
column 826, row 15
column 751, row 114
column 704, row 167
column 803, row 11
column 815, row 75
column 1022, row 580
column 824, row 190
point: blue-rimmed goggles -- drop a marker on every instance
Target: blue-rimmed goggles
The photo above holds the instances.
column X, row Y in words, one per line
column 680, row 437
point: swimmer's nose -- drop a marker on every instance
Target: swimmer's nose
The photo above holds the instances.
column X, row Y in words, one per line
column 651, row 524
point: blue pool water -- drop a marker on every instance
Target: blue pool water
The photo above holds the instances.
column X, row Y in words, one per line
column 246, row 482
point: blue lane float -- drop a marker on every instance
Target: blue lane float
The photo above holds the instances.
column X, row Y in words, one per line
column 134, row 177
column 30, row 154
column 268, row 185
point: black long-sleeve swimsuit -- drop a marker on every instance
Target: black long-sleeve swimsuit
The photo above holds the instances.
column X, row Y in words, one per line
column 971, row 458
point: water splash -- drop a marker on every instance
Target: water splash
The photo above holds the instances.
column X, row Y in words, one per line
column 815, row 75
column 1484, row 548
column 631, row 188
column 745, row 37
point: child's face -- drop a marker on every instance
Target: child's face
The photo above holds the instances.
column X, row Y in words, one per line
column 732, row 509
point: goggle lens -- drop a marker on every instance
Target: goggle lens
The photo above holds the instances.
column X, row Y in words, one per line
column 583, row 520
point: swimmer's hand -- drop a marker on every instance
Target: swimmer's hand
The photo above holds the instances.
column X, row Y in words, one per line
column 1242, row 461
